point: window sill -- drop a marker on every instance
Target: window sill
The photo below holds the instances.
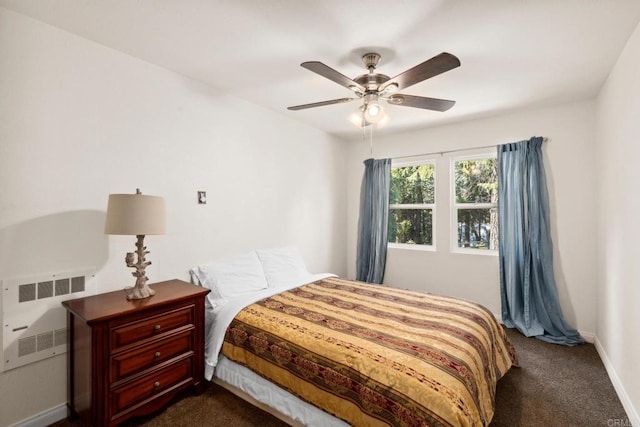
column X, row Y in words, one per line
column 481, row 252
column 408, row 247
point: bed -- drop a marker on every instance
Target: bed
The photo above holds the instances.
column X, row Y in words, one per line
column 324, row 351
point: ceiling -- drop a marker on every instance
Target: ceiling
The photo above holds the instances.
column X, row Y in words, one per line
column 514, row 54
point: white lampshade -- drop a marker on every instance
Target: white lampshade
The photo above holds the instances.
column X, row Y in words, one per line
column 135, row 214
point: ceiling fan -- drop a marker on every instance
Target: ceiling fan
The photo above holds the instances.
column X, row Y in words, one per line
column 374, row 86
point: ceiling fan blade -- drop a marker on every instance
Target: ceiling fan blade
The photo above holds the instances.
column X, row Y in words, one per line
column 429, row 68
column 331, row 74
column 320, row 104
column 421, row 102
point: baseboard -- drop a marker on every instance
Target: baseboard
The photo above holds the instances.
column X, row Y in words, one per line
column 44, row 418
column 632, row 413
column 589, row 337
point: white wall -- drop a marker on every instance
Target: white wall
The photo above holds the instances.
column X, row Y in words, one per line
column 80, row 121
column 618, row 149
column 569, row 162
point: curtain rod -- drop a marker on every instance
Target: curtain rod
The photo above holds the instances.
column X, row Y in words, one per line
column 444, row 152
column 451, row 151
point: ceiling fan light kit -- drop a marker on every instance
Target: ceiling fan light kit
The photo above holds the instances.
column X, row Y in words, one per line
column 373, row 111
column 372, row 86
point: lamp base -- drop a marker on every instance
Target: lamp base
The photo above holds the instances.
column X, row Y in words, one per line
column 139, row 292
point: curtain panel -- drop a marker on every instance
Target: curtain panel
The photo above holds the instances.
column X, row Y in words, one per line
column 528, row 289
column 373, row 220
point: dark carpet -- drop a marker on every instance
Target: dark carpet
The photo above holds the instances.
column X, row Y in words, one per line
column 554, row 386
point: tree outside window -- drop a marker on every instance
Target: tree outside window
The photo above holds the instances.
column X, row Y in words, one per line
column 475, row 206
column 411, row 204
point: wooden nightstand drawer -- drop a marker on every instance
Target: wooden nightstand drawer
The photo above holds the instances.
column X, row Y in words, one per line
column 134, row 361
column 151, row 385
column 147, row 328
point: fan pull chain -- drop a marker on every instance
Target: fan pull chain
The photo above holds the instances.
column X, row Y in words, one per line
column 364, row 134
column 371, row 140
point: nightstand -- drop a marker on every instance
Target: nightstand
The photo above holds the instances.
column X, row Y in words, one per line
column 130, row 358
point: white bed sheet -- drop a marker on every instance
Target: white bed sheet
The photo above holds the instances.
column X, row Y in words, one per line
column 268, row 393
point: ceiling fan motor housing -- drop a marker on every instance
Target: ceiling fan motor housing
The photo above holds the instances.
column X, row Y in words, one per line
column 371, row 81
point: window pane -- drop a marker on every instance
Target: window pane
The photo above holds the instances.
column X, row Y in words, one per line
column 412, row 184
column 476, row 181
column 412, row 226
column 478, row 228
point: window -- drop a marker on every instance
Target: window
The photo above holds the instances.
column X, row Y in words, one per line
column 475, row 203
column 412, row 204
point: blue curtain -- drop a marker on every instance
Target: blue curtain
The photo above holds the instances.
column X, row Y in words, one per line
column 372, row 224
column 528, row 289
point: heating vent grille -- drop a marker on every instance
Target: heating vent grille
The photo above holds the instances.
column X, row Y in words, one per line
column 50, row 288
column 34, row 320
column 45, row 289
column 27, row 292
column 26, row 346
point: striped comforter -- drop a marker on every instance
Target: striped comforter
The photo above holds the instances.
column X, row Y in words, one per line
column 373, row 355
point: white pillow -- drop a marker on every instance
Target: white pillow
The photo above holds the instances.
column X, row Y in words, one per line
column 282, row 266
column 231, row 277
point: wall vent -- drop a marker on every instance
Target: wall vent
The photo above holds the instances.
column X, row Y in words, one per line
column 33, row 319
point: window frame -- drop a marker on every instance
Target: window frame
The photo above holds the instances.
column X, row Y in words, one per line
column 455, row 206
column 395, row 164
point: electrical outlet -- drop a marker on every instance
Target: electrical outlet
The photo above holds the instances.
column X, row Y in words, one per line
column 202, row 197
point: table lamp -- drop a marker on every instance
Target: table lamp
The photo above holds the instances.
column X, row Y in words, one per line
column 137, row 215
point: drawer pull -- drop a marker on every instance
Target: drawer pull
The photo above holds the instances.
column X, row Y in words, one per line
column 157, row 354
column 156, row 328
column 156, row 384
